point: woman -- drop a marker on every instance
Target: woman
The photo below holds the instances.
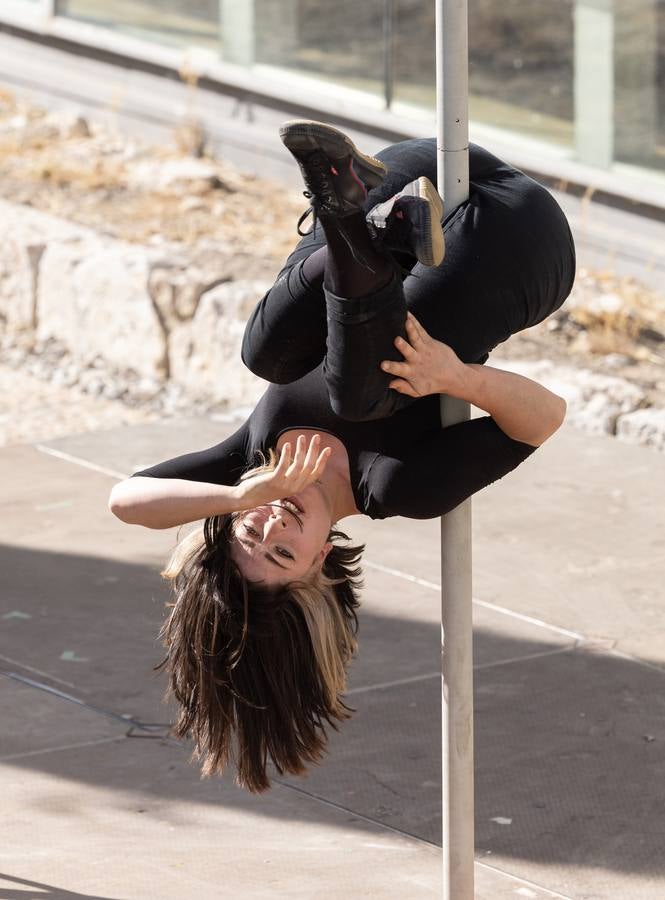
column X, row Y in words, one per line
column 364, row 327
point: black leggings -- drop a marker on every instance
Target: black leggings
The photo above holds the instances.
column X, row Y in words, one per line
column 509, row 263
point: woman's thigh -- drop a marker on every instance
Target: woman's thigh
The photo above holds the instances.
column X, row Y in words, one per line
column 510, row 262
column 285, row 336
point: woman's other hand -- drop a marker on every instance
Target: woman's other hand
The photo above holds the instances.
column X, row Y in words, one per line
column 429, row 367
column 290, row 476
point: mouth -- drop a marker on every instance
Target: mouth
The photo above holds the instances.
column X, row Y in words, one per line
column 295, row 506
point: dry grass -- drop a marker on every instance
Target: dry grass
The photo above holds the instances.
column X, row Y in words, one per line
column 88, row 175
column 617, row 315
column 93, row 179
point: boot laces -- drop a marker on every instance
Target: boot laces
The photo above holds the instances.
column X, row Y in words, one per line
column 320, row 191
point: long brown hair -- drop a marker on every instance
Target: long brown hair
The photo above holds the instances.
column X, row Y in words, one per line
column 264, row 665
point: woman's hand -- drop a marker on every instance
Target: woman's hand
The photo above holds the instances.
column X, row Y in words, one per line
column 429, row 367
column 289, row 477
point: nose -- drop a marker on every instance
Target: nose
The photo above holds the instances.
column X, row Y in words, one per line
column 276, row 521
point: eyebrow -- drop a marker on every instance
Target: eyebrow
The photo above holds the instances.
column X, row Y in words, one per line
column 267, row 555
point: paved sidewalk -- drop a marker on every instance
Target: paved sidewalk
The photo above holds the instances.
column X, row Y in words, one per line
column 569, row 712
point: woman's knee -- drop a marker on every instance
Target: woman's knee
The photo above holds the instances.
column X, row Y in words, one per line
column 272, row 361
column 360, row 402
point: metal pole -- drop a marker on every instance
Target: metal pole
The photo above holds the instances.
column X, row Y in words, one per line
column 456, row 620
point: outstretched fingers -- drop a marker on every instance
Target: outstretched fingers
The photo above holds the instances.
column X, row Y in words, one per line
column 404, row 347
column 323, row 458
column 284, row 459
column 414, row 329
column 315, row 460
column 299, row 458
column 309, row 462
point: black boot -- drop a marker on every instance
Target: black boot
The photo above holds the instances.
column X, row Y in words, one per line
column 336, row 173
column 410, row 222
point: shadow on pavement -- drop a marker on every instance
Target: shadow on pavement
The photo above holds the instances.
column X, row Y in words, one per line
column 43, row 891
column 569, row 762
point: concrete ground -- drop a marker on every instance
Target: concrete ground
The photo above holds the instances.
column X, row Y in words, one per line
column 569, row 556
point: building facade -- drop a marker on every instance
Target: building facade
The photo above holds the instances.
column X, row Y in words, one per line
column 577, row 83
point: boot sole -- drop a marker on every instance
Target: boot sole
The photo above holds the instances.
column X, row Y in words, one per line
column 432, row 248
column 306, row 135
column 435, row 245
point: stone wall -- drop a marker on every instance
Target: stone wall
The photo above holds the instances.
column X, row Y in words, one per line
column 161, row 313
column 165, row 315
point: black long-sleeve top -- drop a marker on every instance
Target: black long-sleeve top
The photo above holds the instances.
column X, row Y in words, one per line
column 404, row 465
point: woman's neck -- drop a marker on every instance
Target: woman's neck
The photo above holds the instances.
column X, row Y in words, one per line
column 335, row 482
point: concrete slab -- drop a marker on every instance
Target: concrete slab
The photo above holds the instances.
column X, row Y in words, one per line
column 148, row 828
column 89, row 597
column 571, row 517
column 39, row 723
column 567, row 538
column 568, row 770
column 569, row 774
column 116, row 818
column 126, row 450
column 589, row 532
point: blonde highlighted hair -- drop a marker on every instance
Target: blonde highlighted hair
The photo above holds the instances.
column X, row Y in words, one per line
column 257, row 671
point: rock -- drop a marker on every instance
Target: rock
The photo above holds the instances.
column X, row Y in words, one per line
column 93, row 296
column 68, row 123
column 24, row 234
column 594, row 401
column 597, row 304
column 617, row 361
column 176, row 284
column 15, row 123
column 115, row 306
column 191, row 176
column 18, row 284
column 205, row 352
column 644, row 426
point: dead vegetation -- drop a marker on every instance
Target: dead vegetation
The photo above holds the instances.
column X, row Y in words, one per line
column 141, row 193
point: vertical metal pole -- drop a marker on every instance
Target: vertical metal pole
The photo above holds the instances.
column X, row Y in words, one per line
column 456, row 618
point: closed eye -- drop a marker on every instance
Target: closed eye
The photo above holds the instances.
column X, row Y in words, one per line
column 280, row 550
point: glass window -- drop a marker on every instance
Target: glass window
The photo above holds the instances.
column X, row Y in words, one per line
column 414, row 53
column 171, row 22
column 521, row 66
column 520, row 63
column 340, row 42
column 639, row 88
column 660, row 87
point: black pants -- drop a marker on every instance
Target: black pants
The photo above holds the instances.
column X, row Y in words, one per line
column 509, row 263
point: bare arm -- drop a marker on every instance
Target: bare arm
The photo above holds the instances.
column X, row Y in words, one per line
column 166, row 502
column 523, row 409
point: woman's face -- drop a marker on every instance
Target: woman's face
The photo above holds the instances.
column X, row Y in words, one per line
column 285, row 540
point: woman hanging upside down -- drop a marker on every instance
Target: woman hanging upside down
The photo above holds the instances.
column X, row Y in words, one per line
column 366, row 324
